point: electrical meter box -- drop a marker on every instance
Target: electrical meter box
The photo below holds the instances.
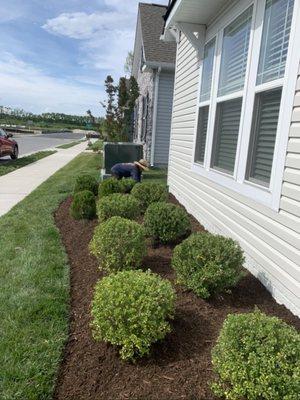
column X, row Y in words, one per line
column 114, row 153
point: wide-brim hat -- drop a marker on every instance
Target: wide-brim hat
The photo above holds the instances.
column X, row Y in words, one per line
column 143, row 164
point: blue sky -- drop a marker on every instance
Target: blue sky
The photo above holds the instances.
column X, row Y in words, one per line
column 55, row 54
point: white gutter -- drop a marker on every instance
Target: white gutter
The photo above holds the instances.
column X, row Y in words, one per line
column 154, row 117
column 150, row 65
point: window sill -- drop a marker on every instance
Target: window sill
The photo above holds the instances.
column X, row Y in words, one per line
column 259, row 194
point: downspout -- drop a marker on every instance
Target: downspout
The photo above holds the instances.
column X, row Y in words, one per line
column 154, row 117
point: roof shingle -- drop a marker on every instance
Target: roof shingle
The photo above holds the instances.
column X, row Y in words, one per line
column 152, row 24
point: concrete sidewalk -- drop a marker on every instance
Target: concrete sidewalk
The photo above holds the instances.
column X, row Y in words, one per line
column 16, row 185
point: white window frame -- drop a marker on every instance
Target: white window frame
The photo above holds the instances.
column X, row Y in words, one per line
column 269, row 196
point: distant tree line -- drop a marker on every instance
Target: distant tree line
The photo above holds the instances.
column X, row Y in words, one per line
column 14, row 115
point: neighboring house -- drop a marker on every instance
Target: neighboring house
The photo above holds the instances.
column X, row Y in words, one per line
column 153, row 68
column 235, row 137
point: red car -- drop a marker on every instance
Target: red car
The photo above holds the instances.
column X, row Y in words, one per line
column 8, row 146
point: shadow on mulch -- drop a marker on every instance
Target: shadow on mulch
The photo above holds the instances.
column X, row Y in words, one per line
column 178, row 367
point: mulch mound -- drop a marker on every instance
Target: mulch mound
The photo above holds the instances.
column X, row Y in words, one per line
column 178, row 367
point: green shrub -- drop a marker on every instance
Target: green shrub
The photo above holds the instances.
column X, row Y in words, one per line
column 257, row 357
column 166, row 222
column 86, row 182
column 83, row 205
column 96, row 146
column 113, row 185
column 118, row 205
column 131, row 310
column 208, row 264
column 148, row 193
column 127, row 185
column 119, row 244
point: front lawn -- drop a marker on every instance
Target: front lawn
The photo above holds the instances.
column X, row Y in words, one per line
column 68, row 145
column 34, row 287
column 12, row 165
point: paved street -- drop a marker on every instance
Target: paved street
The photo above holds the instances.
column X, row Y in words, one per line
column 33, row 143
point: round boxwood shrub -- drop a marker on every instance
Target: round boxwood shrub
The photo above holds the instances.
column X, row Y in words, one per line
column 86, row 182
column 113, row 185
column 148, row 193
column 127, row 184
column 83, row 205
column 131, row 310
column 166, row 222
column 208, row 264
column 118, row 205
column 257, row 357
column 119, row 244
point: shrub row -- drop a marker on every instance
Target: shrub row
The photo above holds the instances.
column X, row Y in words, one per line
column 256, row 356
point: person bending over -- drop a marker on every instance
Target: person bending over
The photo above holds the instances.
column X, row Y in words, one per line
column 130, row 170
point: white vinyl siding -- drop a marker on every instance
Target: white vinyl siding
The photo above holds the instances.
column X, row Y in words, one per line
column 270, row 239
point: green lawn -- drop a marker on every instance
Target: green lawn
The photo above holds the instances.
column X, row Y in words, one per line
column 158, row 175
column 34, row 287
column 68, row 145
column 12, row 165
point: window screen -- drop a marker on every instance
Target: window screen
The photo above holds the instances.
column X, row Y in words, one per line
column 264, row 129
column 201, row 134
column 235, row 54
column 226, row 134
column 208, row 62
column 275, row 40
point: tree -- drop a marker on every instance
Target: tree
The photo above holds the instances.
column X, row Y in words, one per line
column 119, row 111
column 133, row 94
column 129, row 63
column 110, row 125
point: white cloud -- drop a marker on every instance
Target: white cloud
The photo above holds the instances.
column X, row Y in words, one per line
column 106, row 37
column 40, row 92
column 81, row 25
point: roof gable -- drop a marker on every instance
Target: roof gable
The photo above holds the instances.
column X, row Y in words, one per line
column 152, row 24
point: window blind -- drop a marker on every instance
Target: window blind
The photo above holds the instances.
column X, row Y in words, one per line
column 207, row 70
column 264, row 129
column 226, row 134
column 201, row 134
column 235, row 54
column 275, row 40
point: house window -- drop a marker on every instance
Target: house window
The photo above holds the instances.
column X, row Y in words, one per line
column 272, row 61
column 226, row 136
column 264, row 128
column 205, row 94
column 235, row 54
column 275, row 40
column 201, row 136
column 208, row 63
column 243, row 88
column 232, row 78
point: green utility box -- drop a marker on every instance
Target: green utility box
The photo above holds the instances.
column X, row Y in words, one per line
column 114, row 153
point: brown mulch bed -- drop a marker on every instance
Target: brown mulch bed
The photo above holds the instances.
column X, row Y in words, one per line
column 178, row 367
